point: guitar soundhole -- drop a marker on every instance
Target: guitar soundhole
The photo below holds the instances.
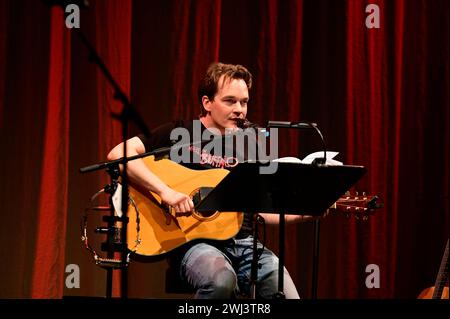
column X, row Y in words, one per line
column 197, row 196
column 204, row 215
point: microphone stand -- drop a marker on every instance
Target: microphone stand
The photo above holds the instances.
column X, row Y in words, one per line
column 316, row 232
column 128, row 112
column 318, row 162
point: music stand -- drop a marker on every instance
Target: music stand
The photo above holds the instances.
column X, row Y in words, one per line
column 295, row 188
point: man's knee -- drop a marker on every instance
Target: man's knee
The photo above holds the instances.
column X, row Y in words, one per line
column 223, row 285
column 225, row 282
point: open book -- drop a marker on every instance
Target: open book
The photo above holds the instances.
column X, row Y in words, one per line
column 309, row 158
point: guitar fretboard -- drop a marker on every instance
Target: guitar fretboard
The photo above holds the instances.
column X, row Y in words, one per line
column 442, row 276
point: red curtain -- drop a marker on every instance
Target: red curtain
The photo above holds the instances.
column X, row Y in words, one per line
column 52, row 205
column 379, row 95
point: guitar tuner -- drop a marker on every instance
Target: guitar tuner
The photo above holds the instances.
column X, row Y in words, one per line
column 359, row 206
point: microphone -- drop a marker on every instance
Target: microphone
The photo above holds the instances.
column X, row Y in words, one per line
column 245, row 123
column 285, row 124
column 303, row 125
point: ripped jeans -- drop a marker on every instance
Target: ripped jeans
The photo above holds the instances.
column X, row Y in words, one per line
column 224, row 272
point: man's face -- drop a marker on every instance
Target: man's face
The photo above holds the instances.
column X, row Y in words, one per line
column 229, row 104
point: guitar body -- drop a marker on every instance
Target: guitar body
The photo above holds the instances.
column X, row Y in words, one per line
column 428, row 293
column 162, row 230
column 439, row 290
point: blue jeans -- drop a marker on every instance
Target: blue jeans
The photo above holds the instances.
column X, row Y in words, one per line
column 223, row 271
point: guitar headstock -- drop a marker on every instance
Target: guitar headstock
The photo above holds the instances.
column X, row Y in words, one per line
column 360, row 206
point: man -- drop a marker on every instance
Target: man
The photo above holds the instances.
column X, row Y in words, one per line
column 216, row 269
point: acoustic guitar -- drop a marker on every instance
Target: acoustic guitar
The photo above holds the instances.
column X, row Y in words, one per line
column 439, row 291
column 158, row 229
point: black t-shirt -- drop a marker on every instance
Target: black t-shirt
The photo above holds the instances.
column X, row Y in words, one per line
column 198, row 148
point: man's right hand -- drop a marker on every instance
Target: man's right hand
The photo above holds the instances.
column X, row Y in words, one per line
column 182, row 203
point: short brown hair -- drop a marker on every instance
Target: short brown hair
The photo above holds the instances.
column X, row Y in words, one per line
column 209, row 85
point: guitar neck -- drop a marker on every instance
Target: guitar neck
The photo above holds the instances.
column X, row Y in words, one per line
column 442, row 276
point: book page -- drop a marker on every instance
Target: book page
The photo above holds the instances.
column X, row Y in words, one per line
column 309, row 158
